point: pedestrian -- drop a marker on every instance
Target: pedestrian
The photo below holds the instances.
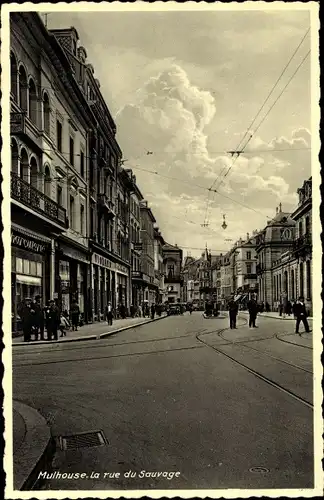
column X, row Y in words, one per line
column 38, row 318
column 288, row 308
column 152, row 311
column 139, row 311
column 109, row 314
column 267, row 307
column 300, row 314
column 190, row 309
column 64, row 324
column 75, row 313
column 26, row 314
column 233, row 310
column 253, row 311
column 52, row 320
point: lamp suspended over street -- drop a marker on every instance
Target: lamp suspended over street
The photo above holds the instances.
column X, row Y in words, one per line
column 224, row 225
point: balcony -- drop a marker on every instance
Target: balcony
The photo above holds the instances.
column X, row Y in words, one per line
column 302, row 246
column 21, row 125
column 137, row 275
column 106, row 204
column 33, row 198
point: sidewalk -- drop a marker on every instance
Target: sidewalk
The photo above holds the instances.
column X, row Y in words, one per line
column 275, row 315
column 32, row 445
column 93, row 331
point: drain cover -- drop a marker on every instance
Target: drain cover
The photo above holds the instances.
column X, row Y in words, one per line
column 83, row 440
column 259, row 470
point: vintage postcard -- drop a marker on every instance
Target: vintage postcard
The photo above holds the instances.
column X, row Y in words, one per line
column 161, row 230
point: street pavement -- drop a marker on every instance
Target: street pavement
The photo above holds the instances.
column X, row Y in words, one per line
column 178, row 395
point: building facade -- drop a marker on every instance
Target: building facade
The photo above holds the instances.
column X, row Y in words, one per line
column 173, row 279
column 48, row 191
column 158, row 263
column 150, row 284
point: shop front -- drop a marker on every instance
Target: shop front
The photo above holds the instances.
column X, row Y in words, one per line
column 72, row 278
column 30, row 269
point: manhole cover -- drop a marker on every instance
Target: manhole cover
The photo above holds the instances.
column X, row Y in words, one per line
column 82, row 440
column 259, row 470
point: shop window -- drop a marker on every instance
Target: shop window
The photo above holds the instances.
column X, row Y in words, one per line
column 39, row 269
column 25, row 266
column 19, row 265
column 32, row 268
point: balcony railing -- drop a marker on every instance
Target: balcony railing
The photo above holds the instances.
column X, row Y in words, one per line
column 302, row 246
column 38, row 201
column 107, row 204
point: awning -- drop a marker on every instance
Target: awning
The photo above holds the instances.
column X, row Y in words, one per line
column 30, row 233
column 28, row 280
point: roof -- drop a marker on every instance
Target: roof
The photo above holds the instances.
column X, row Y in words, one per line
column 167, row 246
column 281, row 218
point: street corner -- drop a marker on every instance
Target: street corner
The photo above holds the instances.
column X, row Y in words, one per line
column 33, row 445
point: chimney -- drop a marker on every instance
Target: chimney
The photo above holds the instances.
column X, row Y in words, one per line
column 247, row 236
column 280, row 207
column 276, row 210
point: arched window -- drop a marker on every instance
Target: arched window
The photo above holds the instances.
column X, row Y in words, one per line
column 48, row 181
column 23, row 89
column 13, row 76
column 46, row 114
column 24, row 165
column 32, row 102
column 34, row 173
column 14, row 157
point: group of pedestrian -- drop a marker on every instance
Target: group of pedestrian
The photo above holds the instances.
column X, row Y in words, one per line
column 35, row 319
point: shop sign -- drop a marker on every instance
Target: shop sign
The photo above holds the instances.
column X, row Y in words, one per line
column 27, row 243
column 104, row 262
column 73, row 254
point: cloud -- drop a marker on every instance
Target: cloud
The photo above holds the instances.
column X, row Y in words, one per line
column 170, row 116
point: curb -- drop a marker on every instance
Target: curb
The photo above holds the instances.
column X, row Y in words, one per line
column 262, row 315
column 36, row 451
column 89, row 337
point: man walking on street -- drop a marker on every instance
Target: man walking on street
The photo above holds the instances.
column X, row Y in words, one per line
column 38, row 318
column 26, row 314
column 152, row 311
column 253, row 311
column 109, row 314
column 300, row 314
column 233, row 310
column 52, row 320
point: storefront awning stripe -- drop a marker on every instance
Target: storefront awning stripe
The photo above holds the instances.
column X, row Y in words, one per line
column 31, row 234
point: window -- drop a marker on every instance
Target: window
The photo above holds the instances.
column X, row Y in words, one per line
column 46, row 115
column 13, row 76
column 59, row 135
column 71, row 212
column 171, row 271
column 23, row 88
column 32, row 102
column 19, row 265
column 59, row 195
column 82, row 212
column 71, row 151
column 82, row 164
column 307, row 225
column 308, row 280
column 248, row 255
column 248, row 268
column 301, row 279
column 300, row 229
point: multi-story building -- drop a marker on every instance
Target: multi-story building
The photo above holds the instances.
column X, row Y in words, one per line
column 135, row 242
column 226, row 278
column 158, row 263
column 150, row 284
column 292, row 271
column 173, row 280
column 274, row 240
column 108, row 219
column 49, row 189
column 244, row 262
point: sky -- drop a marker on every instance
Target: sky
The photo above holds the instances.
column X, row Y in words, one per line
column 186, row 86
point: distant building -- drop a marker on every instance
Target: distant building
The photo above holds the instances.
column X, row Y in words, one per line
column 173, row 279
column 158, row 263
column 150, row 284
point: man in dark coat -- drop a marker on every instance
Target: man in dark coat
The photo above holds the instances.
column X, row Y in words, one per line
column 253, row 311
column 38, row 318
column 152, row 311
column 75, row 313
column 52, row 320
column 233, row 310
column 300, row 314
column 26, row 313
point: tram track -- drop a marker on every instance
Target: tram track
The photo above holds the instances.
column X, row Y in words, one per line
column 256, row 373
